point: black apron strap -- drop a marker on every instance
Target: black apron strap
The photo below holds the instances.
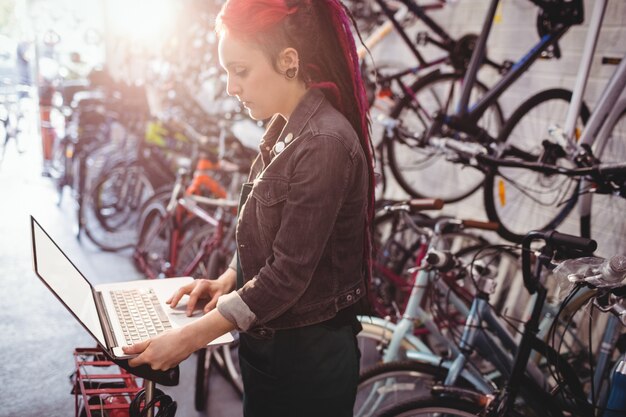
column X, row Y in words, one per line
column 245, row 192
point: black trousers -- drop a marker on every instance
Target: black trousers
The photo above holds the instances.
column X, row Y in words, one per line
column 308, row 371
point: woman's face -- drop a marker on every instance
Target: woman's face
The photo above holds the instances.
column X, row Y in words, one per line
column 252, row 78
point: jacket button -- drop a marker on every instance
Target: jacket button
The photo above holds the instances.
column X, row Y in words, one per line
column 358, row 291
column 349, row 297
column 263, row 332
column 242, row 246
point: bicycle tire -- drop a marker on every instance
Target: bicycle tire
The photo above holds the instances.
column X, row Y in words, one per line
column 154, row 232
column 58, row 167
column 203, row 368
column 508, row 191
column 422, row 170
column 194, row 235
column 433, row 406
column 388, row 384
column 456, row 406
column 112, row 206
column 605, row 225
column 372, row 341
column 227, row 363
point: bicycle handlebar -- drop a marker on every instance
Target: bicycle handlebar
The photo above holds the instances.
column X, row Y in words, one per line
column 426, row 204
column 476, row 152
column 598, row 169
column 577, row 243
column 415, row 205
column 478, row 224
column 552, row 239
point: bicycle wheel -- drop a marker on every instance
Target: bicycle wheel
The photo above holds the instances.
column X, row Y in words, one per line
column 203, row 368
column 204, row 363
column 111, row 207
column 372, row 341
column 154, row 233
column 523, row 200
column 194, row 258
column 398, row 247
column 226, row 361
column 607, row 225
column 433, row 406
column 423, row 170
column 60, row 166
column 389, row 384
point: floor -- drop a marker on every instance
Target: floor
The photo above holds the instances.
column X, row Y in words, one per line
column 38, row 335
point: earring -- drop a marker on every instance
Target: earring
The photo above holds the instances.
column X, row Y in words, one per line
column 291, row 73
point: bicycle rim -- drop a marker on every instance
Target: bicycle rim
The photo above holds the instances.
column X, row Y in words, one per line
column 111, row 213
column 520, row 199
column 392, row 383
column 203, row 368
column 152, row 249
column 372, row 341
column 432, row 406
column 195, row 235
column 424, row 170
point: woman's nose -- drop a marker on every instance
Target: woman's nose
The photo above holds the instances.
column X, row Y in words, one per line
column 232, row 89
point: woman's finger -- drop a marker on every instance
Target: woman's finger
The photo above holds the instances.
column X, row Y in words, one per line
column 175, row 298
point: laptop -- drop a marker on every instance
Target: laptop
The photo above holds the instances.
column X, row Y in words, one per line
column 111, row 312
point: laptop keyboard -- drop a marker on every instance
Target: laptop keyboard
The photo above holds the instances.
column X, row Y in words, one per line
column 141, row 316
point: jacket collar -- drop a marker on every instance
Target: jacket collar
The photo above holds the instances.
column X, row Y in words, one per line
column 278, row 128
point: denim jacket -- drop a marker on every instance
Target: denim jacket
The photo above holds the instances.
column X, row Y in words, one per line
column 301, row 231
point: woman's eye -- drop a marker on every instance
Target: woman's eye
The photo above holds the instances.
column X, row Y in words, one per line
column 241, row 72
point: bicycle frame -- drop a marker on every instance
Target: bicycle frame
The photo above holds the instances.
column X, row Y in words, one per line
column 419, row 12
column 211, row 242
column 530, row 340
column 597, row 131
column 466, row 116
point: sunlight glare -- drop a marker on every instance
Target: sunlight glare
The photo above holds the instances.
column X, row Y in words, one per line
column 141, row 20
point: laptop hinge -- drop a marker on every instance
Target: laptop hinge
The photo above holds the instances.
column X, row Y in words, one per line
column 109, row 336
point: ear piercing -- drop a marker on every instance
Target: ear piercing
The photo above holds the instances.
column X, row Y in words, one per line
column 291, row 73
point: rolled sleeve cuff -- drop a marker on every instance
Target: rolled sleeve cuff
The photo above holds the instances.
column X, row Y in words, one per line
column 235, row 310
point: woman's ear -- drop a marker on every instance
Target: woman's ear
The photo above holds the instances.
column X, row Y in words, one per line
column 288, row 60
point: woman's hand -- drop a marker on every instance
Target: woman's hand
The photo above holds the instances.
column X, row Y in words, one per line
column 161, row 352
column 170, row 348
column 205, row 290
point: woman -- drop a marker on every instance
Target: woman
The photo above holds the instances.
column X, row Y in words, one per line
column 302, row 234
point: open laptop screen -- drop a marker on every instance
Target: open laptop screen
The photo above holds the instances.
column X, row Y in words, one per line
column 64, row 279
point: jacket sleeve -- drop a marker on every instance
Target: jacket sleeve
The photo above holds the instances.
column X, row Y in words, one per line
column 323, row 168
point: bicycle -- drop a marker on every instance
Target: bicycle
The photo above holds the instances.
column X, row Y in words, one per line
column 172, row 226
column 400, row 243
column 398, row 87
column 396, row 341
column 396, row 378
column 411, row 124
column 568, row 395
column 549, row 199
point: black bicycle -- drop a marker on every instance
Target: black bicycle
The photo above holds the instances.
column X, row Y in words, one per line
column 570, row 394
column 439, row 107
column 396, row 88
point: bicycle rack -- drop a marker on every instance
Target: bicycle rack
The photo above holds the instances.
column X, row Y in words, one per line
column 102, row 388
